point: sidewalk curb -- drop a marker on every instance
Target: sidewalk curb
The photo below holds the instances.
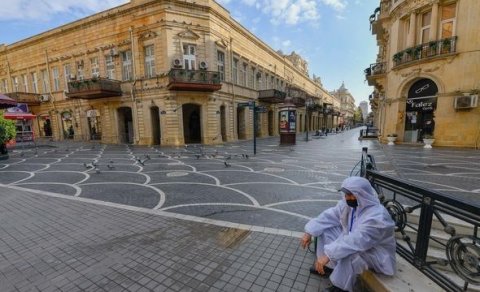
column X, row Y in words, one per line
column 406, row 278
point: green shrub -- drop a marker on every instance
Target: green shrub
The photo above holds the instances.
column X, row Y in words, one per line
column 7, row 130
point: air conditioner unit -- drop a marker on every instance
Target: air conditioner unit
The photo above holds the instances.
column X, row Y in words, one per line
column 203, row 65
column 467, row 101
column 72, row 77
column 44, row 98
column 113, row 52
column 177, row 63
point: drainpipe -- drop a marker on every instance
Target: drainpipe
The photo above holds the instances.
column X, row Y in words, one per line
column 233, row 87
column 132, row 88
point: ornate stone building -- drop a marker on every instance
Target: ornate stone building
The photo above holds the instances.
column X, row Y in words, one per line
column 347, row 106
column 158, row 72
column 426, row 75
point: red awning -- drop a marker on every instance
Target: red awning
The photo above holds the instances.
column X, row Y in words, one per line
column 6, row 102
column 19, row 116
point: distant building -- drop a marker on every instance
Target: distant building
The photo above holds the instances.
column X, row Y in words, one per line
column 426, row 72
column 364, row 107
column 347, row 105
column 159, row 72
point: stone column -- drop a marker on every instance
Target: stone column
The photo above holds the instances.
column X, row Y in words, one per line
column 433, row 22
column 412, row 30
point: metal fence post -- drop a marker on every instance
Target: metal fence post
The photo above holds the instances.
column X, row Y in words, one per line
column 424, row 227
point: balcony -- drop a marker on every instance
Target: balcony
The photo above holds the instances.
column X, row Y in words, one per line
column 25, row 97
column 94, row 88
column 194, row 80
column 426, row 51
column 271, row 96
column 374, row 71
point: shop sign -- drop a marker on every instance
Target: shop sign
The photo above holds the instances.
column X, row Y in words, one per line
column 422, row 104
column 423, row 88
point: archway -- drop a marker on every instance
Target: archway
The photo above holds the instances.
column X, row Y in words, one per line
column 192, row 129
column 125, row 125
column 241, row 127
column 156, row 131
column 420, row 106
column 270, row 123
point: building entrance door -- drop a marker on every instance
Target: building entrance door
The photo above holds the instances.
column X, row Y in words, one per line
column 192, row 130
column 420, row 107
column 125, row 125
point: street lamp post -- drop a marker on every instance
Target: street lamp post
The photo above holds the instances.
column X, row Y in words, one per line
column 308, row 103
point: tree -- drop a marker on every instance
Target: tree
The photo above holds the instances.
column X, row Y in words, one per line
column 358, row 116
column 7, row 132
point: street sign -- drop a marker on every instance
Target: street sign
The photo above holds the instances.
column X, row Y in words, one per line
column 243, row 104
column 261, row 109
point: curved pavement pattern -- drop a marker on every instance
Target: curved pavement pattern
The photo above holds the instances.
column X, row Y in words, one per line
column 281, row 187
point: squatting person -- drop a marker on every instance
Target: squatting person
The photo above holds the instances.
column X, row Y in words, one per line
column 355, row 235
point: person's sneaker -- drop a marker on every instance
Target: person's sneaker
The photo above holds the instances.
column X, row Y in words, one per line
column 328, row 271
column 333, row 289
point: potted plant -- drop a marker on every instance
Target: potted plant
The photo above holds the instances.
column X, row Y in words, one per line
column 397, row 57
column 391, row 138
column 7, row 133
column 446, row 45
column 428, row 140
column 433, row 48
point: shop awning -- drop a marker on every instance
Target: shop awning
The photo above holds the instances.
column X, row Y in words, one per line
column 19, row 116
column 6, row 102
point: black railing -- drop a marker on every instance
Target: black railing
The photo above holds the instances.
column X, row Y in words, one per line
column 194, row 76
column 462, row 251
column 376, row 69
column 427, row 50
column 369, row 133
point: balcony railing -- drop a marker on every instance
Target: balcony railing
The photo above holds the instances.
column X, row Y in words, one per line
column 194, row 80
column 425, row 51
column 376, row 69
column 94, row 88
column 25, row 97
column 271, row 96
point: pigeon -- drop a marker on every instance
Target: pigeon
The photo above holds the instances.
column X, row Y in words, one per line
column 228, row 157
column 140, row 162
column 111, row 161
column 198, row 156
column 94, row 163
column 226, row 164
column 97, row 170
column 246, row 156
column 147, row 156
column 110, row 166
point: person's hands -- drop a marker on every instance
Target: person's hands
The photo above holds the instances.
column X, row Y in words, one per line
column 306, row 239
column 320, row 264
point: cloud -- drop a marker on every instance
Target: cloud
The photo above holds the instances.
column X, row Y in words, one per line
column 290, row 12
column 286, row 43
column 338, row 5
column 46, row 10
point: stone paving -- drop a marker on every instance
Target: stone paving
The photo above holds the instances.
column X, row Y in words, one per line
column 94, row 212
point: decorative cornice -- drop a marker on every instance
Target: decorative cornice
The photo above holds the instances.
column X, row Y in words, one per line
column 188, row 34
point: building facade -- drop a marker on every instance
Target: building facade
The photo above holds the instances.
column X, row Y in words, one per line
column 364, row 107
column 164, row 72
column 426, row 75
column 347, row 106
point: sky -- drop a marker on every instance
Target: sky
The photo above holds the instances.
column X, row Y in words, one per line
column 332, row 35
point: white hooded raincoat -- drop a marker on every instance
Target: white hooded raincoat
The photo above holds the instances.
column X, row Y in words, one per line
column 354, row 245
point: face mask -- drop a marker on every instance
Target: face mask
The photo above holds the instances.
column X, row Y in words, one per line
column 352, row 203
